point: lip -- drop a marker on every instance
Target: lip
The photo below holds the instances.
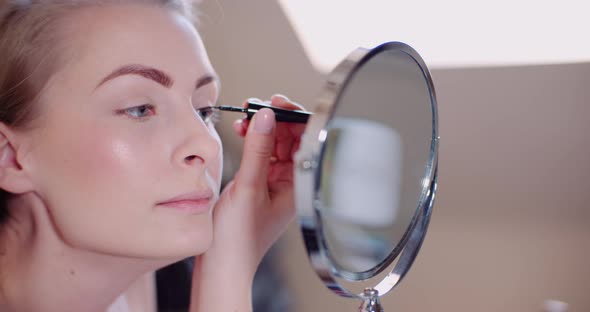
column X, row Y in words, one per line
column 192, row 203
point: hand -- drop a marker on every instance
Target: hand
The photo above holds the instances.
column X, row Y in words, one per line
column 252, row 212
column 256, row 207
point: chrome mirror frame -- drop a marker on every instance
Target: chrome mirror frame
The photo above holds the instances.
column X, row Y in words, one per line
column 308, row 172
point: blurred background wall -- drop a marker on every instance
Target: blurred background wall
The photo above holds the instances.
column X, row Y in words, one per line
column 511, row 224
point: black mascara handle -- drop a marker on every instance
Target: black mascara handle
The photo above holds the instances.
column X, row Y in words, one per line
column 285, row 115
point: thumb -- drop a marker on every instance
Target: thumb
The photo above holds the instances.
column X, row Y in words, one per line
column 258, row 148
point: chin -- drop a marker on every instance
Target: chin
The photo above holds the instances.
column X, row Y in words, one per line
column 163, row 246
column 179, row 236
column 184, row 244
column 169, row 239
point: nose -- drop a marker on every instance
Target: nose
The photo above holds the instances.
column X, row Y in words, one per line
column 200, row 144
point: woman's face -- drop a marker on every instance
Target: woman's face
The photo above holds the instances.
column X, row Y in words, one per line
column 119, row 134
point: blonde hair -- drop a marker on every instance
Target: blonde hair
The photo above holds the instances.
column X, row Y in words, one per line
column 31, row 50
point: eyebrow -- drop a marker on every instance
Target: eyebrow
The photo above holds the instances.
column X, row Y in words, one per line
column 140, row 70
column 153, row 74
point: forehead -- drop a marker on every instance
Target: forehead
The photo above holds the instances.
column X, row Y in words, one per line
column 104, row 38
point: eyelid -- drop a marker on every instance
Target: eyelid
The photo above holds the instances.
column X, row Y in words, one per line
column 212, row 114
column 125, row 111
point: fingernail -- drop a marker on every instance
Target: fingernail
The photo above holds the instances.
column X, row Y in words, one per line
column 264, row 121
column 281, row 97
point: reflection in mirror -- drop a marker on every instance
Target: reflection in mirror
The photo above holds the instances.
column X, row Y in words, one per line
column 374, row 163
column 361, row 203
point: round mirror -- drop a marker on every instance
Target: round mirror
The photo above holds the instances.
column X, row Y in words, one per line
column 366, row 173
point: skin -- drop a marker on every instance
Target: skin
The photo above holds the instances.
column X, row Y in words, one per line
column 89, row 175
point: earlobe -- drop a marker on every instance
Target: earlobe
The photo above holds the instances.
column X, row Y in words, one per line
column 13, row 178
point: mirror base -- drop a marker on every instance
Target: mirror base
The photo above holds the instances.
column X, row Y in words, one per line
column 371, row 302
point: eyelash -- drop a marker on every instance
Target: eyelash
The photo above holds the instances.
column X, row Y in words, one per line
column 207, row 113
column 128, row 111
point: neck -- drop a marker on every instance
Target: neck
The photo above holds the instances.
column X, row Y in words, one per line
column 40, row 272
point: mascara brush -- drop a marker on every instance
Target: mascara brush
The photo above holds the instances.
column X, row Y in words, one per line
column 283, row 115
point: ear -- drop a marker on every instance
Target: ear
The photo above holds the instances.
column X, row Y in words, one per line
column 13, row 178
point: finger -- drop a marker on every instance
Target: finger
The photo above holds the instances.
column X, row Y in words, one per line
column 286, row 142
column 241, row 126
column 252, row 99
column 282, row 101
column 258, row 148
column 287, row 134
column 237, row 126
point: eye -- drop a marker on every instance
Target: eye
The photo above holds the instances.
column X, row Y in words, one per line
column 140, row 112
column 208, row 114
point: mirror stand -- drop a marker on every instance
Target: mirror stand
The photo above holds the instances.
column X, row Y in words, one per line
column 371, row 302
column 366, row 171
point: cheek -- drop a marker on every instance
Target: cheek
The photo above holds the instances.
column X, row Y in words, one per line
column 91, row 161
column 108, row 159
column 217, row 166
